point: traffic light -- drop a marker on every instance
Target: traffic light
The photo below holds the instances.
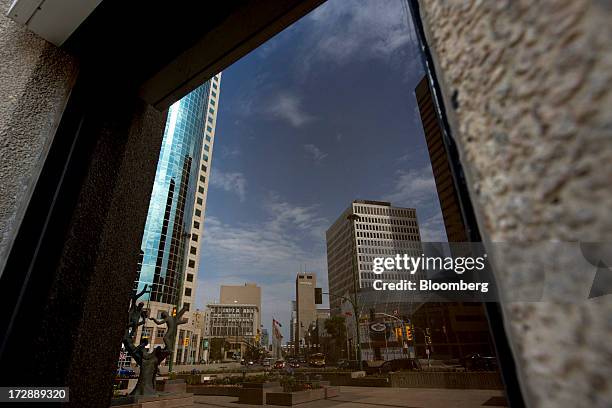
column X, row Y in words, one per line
column 186, row 341
column 408, row 332
column 398, row 333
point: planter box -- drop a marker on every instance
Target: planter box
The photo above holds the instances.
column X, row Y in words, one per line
column 229, row 391
column 293, row 398
column 255, row 393
column 370, row 382
column 331, row 392
column 161, row 401
column 467, row 380
column 175, row 386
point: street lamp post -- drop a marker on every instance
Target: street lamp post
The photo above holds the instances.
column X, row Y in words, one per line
column 353, row 218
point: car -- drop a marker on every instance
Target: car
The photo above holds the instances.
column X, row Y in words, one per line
column 477, row 362
column 125, row 372
column 267, row 362
column 317, row 360
column 294, row 364
column 398, row 364
column 348, row 364
column 250, row 363
column 279, row 364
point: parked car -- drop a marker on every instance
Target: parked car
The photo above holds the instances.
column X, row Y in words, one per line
column 399, row 364
column 476, row 362
column 348, row 364
column 294, row 364
column 280, row 364
column 124, row 372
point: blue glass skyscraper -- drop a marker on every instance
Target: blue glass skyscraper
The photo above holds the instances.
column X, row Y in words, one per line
column 167, row 230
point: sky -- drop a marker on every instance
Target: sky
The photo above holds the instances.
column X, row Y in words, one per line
column 322, row 114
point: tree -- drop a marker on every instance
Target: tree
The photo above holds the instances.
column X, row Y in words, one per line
column 216, row 344
column 336, row 329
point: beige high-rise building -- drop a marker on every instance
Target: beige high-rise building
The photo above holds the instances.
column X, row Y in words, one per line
column 381, row 230
column 306, row 310
column 247, row 294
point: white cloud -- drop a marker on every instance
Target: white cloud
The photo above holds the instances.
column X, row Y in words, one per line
column 232, row 182
column 286, row 215
column 432, row 229
column 358, row 29
column 413, row 188
column 288, row 107
column 314, row 153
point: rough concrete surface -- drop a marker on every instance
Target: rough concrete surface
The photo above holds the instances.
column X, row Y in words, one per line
column 35, row 81
column 532, row 82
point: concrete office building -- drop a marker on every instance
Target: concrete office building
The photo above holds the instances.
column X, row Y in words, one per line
column 236, row 323
column 170, row 250
column 382, row 230
column 306, row 311
column 247, row 294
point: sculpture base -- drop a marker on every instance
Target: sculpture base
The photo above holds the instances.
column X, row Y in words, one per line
column 160, row 401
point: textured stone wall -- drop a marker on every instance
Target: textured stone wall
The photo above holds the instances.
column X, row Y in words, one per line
column 528, row 89
column 35, row 81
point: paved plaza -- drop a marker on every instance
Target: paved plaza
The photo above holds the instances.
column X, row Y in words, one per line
column 369, row 397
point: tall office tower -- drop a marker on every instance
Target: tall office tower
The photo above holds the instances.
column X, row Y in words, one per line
column 292, row 326
column 449, row 202
column 173, row 230
column 247, row 294
column 381, row 230
column 306, row 311
column 464, row 324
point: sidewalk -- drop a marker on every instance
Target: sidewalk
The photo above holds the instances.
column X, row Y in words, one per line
column 369, row 397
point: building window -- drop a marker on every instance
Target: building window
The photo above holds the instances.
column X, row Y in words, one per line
column 214, row 94
column 212, row 102
column 208, row 138
column 201, row 190
column 210, row 119
column 194, row 237
column 198, row 213
column 193, row 250
column 204, row 168
column 196, row 224
column 205, row 158
column 186, row 306
column 191, row 263
column 187, row 291
column 206, row 147
column 200, row 201
column 190, row 277
column 203, row 179
column 209, row 128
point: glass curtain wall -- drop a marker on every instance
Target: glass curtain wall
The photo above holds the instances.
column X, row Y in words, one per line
column 166, row 232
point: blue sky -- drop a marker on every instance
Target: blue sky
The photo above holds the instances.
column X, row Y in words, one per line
column 320, row 115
